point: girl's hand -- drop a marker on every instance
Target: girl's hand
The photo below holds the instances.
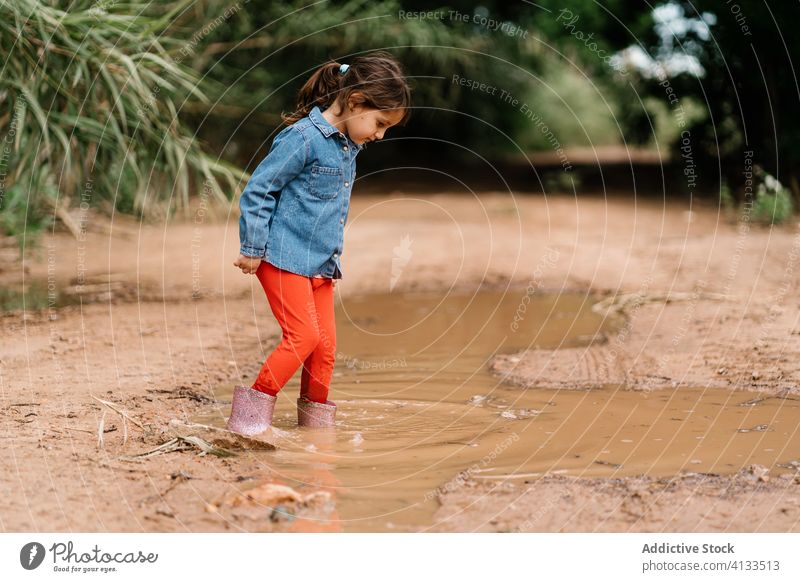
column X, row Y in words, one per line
column 248, row 265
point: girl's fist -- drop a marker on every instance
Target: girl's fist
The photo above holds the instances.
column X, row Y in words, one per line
column 248, row 265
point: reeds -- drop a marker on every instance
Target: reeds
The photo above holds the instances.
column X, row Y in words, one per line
column 89, row 113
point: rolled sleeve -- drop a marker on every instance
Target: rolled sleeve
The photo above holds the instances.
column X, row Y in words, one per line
column 285, row 160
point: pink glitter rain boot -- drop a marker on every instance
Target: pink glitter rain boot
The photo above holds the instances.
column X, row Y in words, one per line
column 315, row 414
column 251, row 411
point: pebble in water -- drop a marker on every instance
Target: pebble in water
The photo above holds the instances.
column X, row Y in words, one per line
column 759, row 428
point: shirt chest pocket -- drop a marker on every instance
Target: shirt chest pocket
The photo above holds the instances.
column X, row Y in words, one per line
column 326, row 182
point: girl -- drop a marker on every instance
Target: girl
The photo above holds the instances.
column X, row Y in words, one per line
column 291, row 230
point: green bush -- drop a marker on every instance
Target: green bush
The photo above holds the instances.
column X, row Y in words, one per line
column 773, row 202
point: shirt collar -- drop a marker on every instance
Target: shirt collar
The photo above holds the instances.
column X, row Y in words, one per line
column 327, row 128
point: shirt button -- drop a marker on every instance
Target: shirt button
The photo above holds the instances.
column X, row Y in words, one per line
column 346, row 184
column 345, row 148
column 341, row 221
column 335, row 255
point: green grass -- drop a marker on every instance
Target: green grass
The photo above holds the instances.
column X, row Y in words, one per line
column 772, row 207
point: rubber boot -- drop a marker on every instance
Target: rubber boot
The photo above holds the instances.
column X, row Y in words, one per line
column 315, row 414
column 251, row 411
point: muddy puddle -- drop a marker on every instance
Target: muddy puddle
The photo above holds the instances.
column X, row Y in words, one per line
column 38, row 295
column 419, row 412
column 33, row 297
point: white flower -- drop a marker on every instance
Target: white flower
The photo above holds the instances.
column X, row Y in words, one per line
column 771, row 183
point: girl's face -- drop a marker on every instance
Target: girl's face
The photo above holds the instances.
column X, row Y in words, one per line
column 364, row 124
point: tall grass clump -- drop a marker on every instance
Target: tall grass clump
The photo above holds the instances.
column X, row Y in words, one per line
column 773, row 201
column 89, row 112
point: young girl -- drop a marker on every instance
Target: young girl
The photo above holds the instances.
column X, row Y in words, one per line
column 291, row 230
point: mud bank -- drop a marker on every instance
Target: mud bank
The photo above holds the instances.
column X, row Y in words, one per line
column 746, row 502
column 691, row 342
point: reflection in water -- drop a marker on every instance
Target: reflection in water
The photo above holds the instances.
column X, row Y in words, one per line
column 419, row 413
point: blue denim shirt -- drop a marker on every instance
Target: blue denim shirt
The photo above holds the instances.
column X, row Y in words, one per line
column 295, row 205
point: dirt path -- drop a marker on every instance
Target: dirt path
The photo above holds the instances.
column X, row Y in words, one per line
column 184, row 322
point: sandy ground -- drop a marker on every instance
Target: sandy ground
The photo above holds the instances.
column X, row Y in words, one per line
column 701, row 300
column 689, row 502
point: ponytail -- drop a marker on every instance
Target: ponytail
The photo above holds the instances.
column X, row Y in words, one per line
column 320, row 90
column 377, row 77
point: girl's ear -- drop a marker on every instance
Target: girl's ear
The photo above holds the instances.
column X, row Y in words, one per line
column 355, row 101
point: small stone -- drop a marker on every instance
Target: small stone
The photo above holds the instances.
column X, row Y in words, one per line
column 281, row 513
column 757, row 471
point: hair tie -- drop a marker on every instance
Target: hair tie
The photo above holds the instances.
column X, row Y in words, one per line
column 343, row 68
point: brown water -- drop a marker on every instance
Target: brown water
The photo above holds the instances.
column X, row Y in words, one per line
column 418, row 411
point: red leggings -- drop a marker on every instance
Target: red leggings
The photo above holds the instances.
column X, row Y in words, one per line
column 303, row 307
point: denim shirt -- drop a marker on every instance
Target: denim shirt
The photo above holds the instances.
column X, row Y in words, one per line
column 295, row 205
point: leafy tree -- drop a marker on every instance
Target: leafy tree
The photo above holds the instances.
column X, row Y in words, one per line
column 750, row 85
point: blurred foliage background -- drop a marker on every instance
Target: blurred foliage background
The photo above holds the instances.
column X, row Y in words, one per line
column 138, row 106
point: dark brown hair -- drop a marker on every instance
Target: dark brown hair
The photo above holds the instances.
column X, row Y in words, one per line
column 374, row 80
